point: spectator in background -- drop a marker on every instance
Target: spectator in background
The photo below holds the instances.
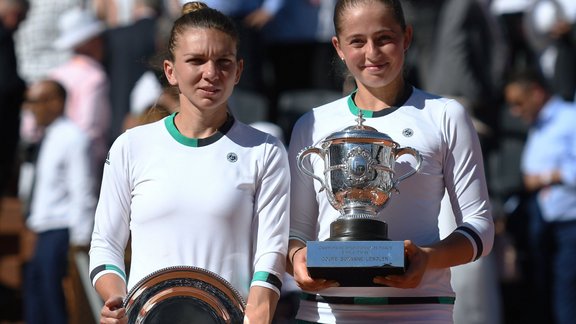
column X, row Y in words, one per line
column 250, row 16
column 290, row 40
column 550, row 178
column 551, row 26
column 511, row 14
column 85, row 80
column 36, row 53
column 564, row 33
column 128, row 54
column 62, row 207
column 35, row 38
column 300, row 35
column 467, row 61
column 12, row 88
column 150, row 101
column 115, row 13
column 423, row 15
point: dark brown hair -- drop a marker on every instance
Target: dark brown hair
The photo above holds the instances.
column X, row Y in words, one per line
column 528, row 77
column 343, row 5
column 197, row 14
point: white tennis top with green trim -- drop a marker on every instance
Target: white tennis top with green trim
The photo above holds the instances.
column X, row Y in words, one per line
column 219, row 203
column 441, row 131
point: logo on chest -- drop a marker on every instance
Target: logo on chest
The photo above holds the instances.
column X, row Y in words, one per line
column 232, row 157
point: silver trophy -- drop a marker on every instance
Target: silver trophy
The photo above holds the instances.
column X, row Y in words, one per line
column 359, row 179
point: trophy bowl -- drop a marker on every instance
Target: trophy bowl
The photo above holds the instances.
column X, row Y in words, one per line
column 358, row 179
column 184, row 295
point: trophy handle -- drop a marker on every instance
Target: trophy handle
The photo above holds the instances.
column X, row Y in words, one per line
column 416, row 155
column 305, row 152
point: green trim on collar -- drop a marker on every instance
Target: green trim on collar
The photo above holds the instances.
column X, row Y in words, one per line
column 196, row 142
column 373, row 114
column 355, row 110
column 175, row 133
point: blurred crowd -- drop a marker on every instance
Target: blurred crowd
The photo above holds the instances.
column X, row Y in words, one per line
column 108, row 56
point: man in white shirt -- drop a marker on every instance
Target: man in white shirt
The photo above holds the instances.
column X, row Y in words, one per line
column 62, row 202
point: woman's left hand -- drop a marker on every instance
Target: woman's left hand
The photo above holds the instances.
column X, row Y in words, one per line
column 418, row 263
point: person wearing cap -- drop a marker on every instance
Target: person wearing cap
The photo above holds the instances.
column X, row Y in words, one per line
column 85, row 79
column 62, row 203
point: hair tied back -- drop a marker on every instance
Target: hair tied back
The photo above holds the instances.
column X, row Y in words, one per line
column 189, row 7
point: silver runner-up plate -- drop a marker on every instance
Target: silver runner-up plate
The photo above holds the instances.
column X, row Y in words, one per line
column 184, row 295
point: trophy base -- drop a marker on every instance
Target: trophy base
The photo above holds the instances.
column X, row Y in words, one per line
column 358, row 229
column 357, row 251
column 355, row 263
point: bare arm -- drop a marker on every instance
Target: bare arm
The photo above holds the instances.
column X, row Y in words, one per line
column 537, row 182
column 261, row 305
column 112, row 289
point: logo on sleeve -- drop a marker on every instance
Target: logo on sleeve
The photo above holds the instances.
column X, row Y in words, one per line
column 108, row 158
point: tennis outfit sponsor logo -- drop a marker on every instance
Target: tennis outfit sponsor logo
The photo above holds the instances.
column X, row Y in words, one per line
column 232, row 157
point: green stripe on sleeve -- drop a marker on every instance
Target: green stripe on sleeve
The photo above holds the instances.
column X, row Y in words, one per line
column 267, row 277
column 106, row 267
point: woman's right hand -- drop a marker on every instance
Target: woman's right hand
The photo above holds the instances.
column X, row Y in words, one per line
column 113, row 312
column 302, row 277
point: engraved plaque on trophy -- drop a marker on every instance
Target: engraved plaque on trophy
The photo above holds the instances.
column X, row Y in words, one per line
column 358, row 180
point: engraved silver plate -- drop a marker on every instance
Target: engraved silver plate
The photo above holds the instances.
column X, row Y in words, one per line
column 183, row 295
